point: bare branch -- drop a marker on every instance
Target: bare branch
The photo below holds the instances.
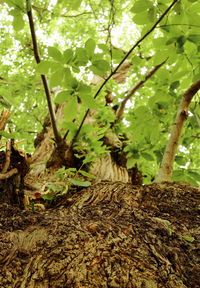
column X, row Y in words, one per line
column 43, row 77
column 41, row 9
column 130, row 93
column 176, row 24
column 8, row 174
column 166, row 169
column 122, row 61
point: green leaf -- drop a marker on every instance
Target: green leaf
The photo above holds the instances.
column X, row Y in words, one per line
column 175, row 85
column 79, row 182
column 84, row 92
column 47, row 197
column 44, row 67
column 141, row 18
column 68, row 55
column 147, row 156
column 180, row 160
column 86, row 174
column 194, row 175
column 63, row 96
column 57, row 77
column 69, row 81
column 160, row 56
column 7, row 135
column 130, row 163
column 194, row 38
column 81, row 57
column 18, row 4
column 75, row 4
column 70, row 110
column 141, row 111
column 188, row 238
column 104, row 48
column 117, row 54
column 70, row 171
column 55, row 54
column 18, row 22
column 152, row 14
column 178, row 7
column 84, row 89
column 178, row 175
column 90, row 45
column 4, row 102
column 71, row 126
column 101, row 65
column 141, row 6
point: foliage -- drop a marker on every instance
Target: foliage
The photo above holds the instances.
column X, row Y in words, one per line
column 80, row 39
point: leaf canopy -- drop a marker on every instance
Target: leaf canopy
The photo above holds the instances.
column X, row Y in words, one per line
column 80, row 41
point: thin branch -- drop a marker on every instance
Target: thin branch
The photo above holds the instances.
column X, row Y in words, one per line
column 43, row 77
column 8, row 174
column 41, row 9
column 167, row 25
column 166, row 169
column 130, row 93
column 7, row 83
column 122, row 61
column 73, row 16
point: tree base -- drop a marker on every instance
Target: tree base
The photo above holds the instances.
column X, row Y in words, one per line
column 108, row 235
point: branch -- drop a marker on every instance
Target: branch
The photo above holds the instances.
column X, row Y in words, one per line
column 7, row 83
column 177, row 24
column 166, row 169
column 122, row 61
column 41, row 9
column 8, row 174
column 130, row 93
column 43, row 77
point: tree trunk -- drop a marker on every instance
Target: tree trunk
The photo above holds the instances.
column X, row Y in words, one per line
column 108, row 235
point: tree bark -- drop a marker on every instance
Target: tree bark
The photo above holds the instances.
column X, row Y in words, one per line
column 108, row 235
column 166, row 169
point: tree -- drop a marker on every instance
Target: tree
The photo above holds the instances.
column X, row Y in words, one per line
column 110, row 95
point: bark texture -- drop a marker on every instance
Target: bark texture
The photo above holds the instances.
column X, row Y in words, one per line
column 166, row 169
column 108, row 235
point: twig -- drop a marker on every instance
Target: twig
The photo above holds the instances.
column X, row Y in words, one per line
column 130, row 93
column 176, row 24
column 74, row 16
column 57, row 136
column 7, row 83
column 41, row 9
column 122, row 61
column 8, row 174
column 166, row 169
